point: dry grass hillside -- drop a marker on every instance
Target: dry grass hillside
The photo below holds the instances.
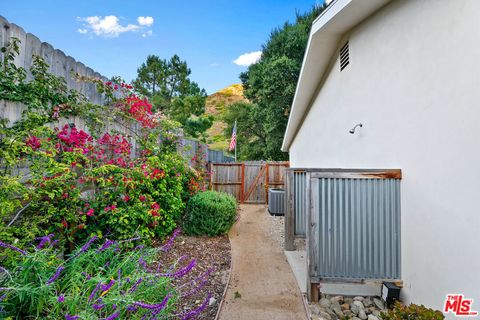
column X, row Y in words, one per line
column 216, row 105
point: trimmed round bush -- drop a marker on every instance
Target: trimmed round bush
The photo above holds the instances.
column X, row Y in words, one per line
column 210, row 213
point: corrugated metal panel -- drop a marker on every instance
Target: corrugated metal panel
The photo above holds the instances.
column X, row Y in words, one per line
column 359, row 228
column 300, row 208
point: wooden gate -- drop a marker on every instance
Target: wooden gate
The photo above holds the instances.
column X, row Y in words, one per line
column 247, row 181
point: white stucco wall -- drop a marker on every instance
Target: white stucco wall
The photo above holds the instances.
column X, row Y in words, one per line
column 414, row 83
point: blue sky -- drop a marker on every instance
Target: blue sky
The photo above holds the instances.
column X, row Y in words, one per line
column 209, row 35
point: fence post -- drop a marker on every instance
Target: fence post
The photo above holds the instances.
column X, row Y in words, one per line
column 266, row 182
column 289, row 211
column 311, row 241
column 242, row 185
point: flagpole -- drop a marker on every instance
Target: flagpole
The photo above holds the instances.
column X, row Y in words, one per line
column 236, row 140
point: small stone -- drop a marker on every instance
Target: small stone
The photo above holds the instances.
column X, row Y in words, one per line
column 315, row 308
column 337, row 299
column 378, row 303
column 345, row 306
column 348, row 313
column 356, row 306
column 325, row 315
column 324, row 302
column 336, row 308
column 359, row 298
column 348, row 300
column 362, row 315
column 212, row 301
column 367, row 302
column 376, row 313
column 355, row 318
column 370, row 310
column 372, row 317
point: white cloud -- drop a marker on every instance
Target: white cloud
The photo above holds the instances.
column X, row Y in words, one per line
column 110, row 27
column 147, row 34
column 145, row 21
column 247, row 59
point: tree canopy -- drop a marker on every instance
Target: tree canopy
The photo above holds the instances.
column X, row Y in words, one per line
column 270, row 87
column 168, row 85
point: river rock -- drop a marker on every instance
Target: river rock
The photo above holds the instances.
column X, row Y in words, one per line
column 324, row 302
column 367, row 302
column 337, row 299
column 372, row 317
column 378, row 303
column 358, row 298
column 356, row 306
column 345, row 306
column 362, row 315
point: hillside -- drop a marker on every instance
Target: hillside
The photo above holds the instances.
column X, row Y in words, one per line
column 216, row 105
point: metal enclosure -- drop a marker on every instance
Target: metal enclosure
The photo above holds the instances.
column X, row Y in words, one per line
column 356, row 227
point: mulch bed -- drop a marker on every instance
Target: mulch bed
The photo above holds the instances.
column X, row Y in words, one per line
column 210, row 253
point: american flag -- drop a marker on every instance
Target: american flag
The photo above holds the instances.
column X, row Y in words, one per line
column 233, row 142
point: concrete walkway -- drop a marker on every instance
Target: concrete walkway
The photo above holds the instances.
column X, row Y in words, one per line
column 262, row 285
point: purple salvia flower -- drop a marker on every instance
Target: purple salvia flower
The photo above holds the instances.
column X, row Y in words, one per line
column 106, row 287
column 183, row 271
column 156, row 307
column 88, row 244
column 169, row 244
column 94, row 291
column 196, row 289
column 68, row 317
column 98, row 306
column 53, row 243
column 134, row 287
column 139, row 247
column 87, row 276
column 142, row 262
column 3, row 297
column 201, row 277
column 56, row 275
column 44, row 240
column 105, row 245
column 61, row 298
column 132, row 308
column 9, row 246
column 113, row 316
column 114, row 306
column 192, row 314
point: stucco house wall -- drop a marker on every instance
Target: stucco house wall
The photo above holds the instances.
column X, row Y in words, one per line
column 414, row 83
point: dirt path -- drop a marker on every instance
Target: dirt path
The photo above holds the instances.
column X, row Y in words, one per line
column 262, row 285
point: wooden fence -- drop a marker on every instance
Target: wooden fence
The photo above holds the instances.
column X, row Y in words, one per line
column 247, row 181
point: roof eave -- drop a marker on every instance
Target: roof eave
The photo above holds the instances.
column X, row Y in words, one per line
column 327, row 30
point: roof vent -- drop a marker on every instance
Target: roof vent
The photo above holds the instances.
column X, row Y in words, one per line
column 344, row 56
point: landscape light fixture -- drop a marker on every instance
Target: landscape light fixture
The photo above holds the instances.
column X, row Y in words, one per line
column 352, row 131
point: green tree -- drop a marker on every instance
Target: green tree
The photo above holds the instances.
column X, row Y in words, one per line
column 250, row 134
column 150, row 76
column 270, row 83
column 168, row 84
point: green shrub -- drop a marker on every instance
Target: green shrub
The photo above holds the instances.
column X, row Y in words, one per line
column 210, row 213
column 413, row 311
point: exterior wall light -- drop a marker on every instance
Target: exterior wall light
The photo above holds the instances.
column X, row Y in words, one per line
column 352, row 131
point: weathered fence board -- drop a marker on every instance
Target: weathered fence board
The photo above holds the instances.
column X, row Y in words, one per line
column 248, row 181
